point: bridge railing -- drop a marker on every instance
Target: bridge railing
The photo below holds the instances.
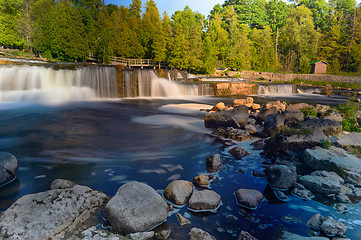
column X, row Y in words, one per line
column 141, row 62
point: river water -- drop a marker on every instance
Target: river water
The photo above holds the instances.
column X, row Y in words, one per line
column 104, row 143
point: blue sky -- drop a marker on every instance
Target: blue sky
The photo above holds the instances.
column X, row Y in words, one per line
column 202, row 6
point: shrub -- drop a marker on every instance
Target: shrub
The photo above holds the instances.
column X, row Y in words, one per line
column 309, row 111
column 350, row 109
column 326, row 144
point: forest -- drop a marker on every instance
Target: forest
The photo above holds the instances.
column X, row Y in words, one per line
column 260, row 35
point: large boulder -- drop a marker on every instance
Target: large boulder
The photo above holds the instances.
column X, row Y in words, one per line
column 297, row 107
column 325, row 184
column 266, row 112
column 136, row 207
column 243, row 102
column 248, row 198
column 293, row 118
column 219, row 107
column 351, row 141
column 50, row 214
column 205, row 200
column 327, row 126
column 337, row 160
column 237, row 118
column 8, row 167
column 178, row 192
column 277, row 104
column 281, row 176
column 332, row 115
column 199, row 234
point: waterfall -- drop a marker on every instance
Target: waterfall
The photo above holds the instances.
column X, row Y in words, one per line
column 145, row 83
column 46, row 84
column 276, row 89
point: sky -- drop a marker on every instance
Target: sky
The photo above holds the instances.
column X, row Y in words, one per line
column 202, row 6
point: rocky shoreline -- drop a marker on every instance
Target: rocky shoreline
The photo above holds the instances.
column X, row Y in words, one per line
column 297, row 164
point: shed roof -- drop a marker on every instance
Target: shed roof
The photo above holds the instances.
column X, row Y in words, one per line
column 319, row 61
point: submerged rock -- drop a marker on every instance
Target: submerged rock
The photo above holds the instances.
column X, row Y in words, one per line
column 8, row 167
column 205, row 200
column 214, row 163
column 136, row 207
column 289, row 236
column 248, row 198
column 199, row 234
column 50, row 214
column 202, row 180
column 281, row 176
column 178, row 192
column 243, row 235
column 61, row 184
column 238, row 152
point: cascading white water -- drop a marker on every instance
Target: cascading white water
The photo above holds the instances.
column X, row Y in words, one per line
column 45, row 84
column 145, row 83
column 276, row 89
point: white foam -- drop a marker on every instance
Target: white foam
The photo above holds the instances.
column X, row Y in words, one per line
column 186, row 108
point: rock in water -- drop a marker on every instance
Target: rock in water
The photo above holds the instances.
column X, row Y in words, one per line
column 237, row 117
column 50, row 214
column 199, row 234
column 61, row 184
column 205, row 200
column 238, row 152
column 214, row 163
column 246, row 236
column 249, row 198
column 178, row 192
column 8, row 167
column 136, row 207
column 281, row 176
column 333, row 228
column 320, row 184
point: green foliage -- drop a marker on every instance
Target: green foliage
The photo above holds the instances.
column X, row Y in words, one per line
column 309, row 111
column 350, row 110
column 326, row 144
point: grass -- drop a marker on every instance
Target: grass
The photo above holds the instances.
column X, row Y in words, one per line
column 326, row 144
column 309, row 111
column 350, row 110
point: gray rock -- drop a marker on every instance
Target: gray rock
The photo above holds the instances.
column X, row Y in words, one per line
column 205, row 200
column 141, row 235
column 346, row 190
column 238, row 152
column 351, row 141
column 292, row 236
column 61, row 184
column 316, row 221
column 321, row 185
column 326, row 174
column 281, row 106
column 335, row 159
column 342, row 198
column 281, row 176
column 295, row 143
column 303, row 194
column 249, row 198
column 251, row 128
column 297, row 107
column 214, row 163
column 273, row 123
column 99, row 234
column 332, row 115
column 262, row 116
column 162, row 232
column 50, row 214
column 243, row 235
column 233, row 133
column 331, row 227
column 199, row 234
column 293, row 118
column 8, row 167
column 136, row 207
column 237, row 118
column 340, row 207
column 178, row 192
column 327, row 126
column 322, row 108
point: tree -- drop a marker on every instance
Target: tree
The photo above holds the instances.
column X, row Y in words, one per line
column 135, row 27
column 151, row 28
column 162, row 42
column 299, row 39
column 319, row 10
column 10, row 11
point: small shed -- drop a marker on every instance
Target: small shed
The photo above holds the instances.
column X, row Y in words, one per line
column 319, row 67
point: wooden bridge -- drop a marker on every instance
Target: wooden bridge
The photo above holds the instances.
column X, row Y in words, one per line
column 142, row 63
